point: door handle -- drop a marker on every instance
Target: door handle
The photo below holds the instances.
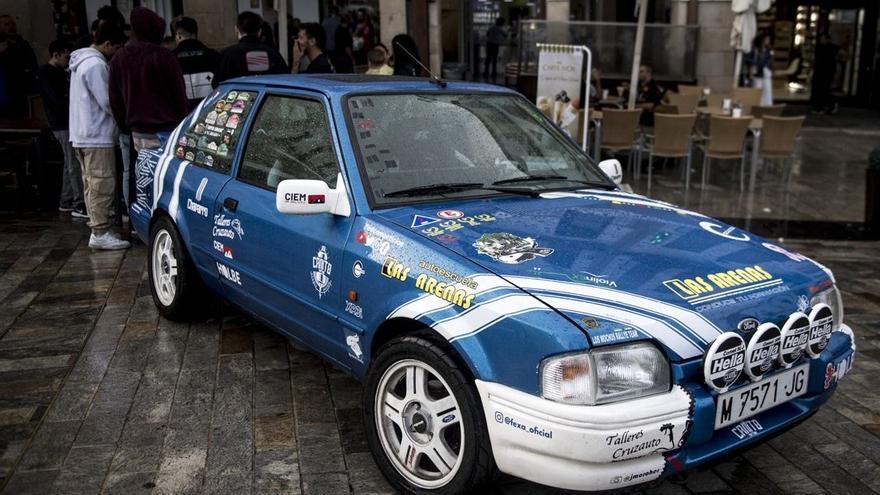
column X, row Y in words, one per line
column 230, row 204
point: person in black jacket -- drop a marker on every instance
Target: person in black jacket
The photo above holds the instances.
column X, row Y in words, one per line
column 197, row 61
column 248, row 57
column 55, row 87
column 310, row 42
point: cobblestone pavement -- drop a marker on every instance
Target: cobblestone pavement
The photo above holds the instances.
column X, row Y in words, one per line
column 99, row 394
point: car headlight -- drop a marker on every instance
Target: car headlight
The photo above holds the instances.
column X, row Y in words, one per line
column 605, row 374
column 832, row 298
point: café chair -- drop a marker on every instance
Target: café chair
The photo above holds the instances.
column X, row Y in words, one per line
column 725, row 141
column 672, row 138
column 779, row 136
column 620, row 132
column 685, row 89
column 686, row 103
column 759, row 111
column 748, row 98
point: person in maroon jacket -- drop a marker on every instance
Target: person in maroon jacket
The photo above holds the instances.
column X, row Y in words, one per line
column 147, row 92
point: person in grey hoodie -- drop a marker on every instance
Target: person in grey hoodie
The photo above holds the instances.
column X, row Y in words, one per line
column 93, row 130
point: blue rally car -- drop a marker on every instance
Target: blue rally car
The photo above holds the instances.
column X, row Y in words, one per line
column 505, row 304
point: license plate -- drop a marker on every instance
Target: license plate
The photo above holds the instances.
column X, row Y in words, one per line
column 752, row 399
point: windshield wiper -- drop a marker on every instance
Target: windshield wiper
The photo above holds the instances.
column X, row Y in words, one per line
column 529, row 178
column 442, row 188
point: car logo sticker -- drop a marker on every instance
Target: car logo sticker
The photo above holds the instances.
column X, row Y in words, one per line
column 724, row 361
column 509, row 248
column 803, row 303
column 763, row 350
column 450, row 214
column 821, row 321
column 316, row 199
column 321, row 271
column 727, row 233
column 358, row 269
column 795, row 333
column 422, row 220
column 748, row 325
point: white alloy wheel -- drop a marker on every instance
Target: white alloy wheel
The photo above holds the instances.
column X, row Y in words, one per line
column 164, row 267
column 419, row 423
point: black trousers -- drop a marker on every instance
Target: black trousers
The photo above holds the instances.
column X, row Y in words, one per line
column 491, row 60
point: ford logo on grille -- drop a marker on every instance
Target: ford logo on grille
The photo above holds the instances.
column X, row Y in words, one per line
column 763, row 350
column 795, row 333
column 724, row 361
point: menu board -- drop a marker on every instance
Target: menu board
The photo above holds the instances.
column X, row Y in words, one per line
column 211, row 140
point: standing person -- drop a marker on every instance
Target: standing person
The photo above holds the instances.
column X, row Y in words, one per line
column 55, row 88
column 18, row 69
column 761, row 67
column 248, row 57
column 330, row 24
column 364, row 36
column 343, row 57
column 404, row 64
column 310, row 43
column 197, row 61
column 378, row 67
column 495, row 37
column 824, row 66
column 146, row 87
column 93, row 130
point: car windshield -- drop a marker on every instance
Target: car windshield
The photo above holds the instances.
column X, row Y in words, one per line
column 417, row 147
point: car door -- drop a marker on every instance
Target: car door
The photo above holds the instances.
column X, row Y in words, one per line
column 207, row 149
column 285, row 268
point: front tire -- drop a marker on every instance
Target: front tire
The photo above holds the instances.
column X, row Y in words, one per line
column 424, row 422
column 174, row 283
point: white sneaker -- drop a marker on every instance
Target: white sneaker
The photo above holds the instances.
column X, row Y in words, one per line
column 107, row 241
column 79, row 213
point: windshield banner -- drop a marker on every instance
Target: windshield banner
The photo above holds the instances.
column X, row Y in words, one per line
column 560, row 71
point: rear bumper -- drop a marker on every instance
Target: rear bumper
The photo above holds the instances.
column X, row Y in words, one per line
column 633, row 442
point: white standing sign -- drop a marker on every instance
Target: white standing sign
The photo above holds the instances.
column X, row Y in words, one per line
column 560, row 79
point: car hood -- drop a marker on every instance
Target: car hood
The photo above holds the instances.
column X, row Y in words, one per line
column 622, row 257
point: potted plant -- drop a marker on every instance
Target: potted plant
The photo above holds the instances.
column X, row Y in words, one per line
column 872, row 192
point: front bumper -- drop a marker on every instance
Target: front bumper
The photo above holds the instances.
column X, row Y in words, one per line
column 631, row 442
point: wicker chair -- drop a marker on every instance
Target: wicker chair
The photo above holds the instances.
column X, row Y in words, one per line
column 620, row 132
column 726, row 141
column 779, row 136
column 759, row 111
column 686, row 103
column 672, row 138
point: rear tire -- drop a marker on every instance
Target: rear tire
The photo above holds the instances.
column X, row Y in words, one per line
column 177, row 290
column 424, row 421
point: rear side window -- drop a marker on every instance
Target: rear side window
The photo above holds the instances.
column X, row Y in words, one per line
column 289, row 139
column 213, row 136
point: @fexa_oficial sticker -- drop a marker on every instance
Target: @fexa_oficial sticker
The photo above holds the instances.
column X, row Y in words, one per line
column 821, row 323
column 724, row 361
column 763, row 350
column 795, row 333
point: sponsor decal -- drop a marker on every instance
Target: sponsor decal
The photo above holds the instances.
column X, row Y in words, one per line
column 646, row 475
column 431, row 267
column 321, row 269
column 354, row 310
column 510, row 249
column 357, row 269
column 459, row 223
column 616, row 335
column 227, row 227
column 821, row 321
column 513, row 423
column 420, row 221
column 747, row 325
column 795, row 334
column 361, row 237
column 379, row 240
column 201, row 189
column 763, row 350
column 223, row 249
column 788, row 254
column 803, row 304
column 353, row 341
column 446, row 238
column 731, row 233
column 590, row 322
column 724, row 361
column 228, row 273
column 583, row 277
column 621, row 441
column 712, row 286
column 316, row 199
column 747, row 428
column 196, row 208
column 744, row 298
column 834, row 372
column 450, row 214
column 461, row 297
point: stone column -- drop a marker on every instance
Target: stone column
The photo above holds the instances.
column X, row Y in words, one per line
column 392, row 20
column 216, row 21
column 715, row 58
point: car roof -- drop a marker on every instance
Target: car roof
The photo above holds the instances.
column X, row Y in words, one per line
column 344, row 84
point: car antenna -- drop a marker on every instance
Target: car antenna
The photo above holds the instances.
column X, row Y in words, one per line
column 434, row 79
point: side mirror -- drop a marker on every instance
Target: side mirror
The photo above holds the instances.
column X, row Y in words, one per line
column 310, row 197
column 613, row 170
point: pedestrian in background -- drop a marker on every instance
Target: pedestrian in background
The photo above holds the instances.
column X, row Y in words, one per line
column 249, row 56
column 18, row 70
column 343, row 56
column 406, row 56
column 761, row 67
column 310, row 43
column 495, row 37
column 330, row 24
column 378, row 67
column 93, row 130
column 824, row 67
column 197, row 61
column 55, row 87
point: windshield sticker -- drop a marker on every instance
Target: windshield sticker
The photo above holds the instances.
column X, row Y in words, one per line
column 718, row 285
column 510, row 249
column 421, row 220
column 321, row 268
column 731, row 233
column 453, row 225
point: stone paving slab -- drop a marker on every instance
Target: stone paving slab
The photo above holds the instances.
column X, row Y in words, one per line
column 98, row 394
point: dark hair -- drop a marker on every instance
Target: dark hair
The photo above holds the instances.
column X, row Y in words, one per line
column 404, row 64
column 315, row 31
column 376, row 56
column 108, row 31
column 249, row 23
column 758, row 41
column 59, row 46
column 267, row 34
column 111, row 14
column 187, row 25
column 499, row 21
column 334, row 10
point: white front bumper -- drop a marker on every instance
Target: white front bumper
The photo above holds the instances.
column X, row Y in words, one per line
column 583, row 447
